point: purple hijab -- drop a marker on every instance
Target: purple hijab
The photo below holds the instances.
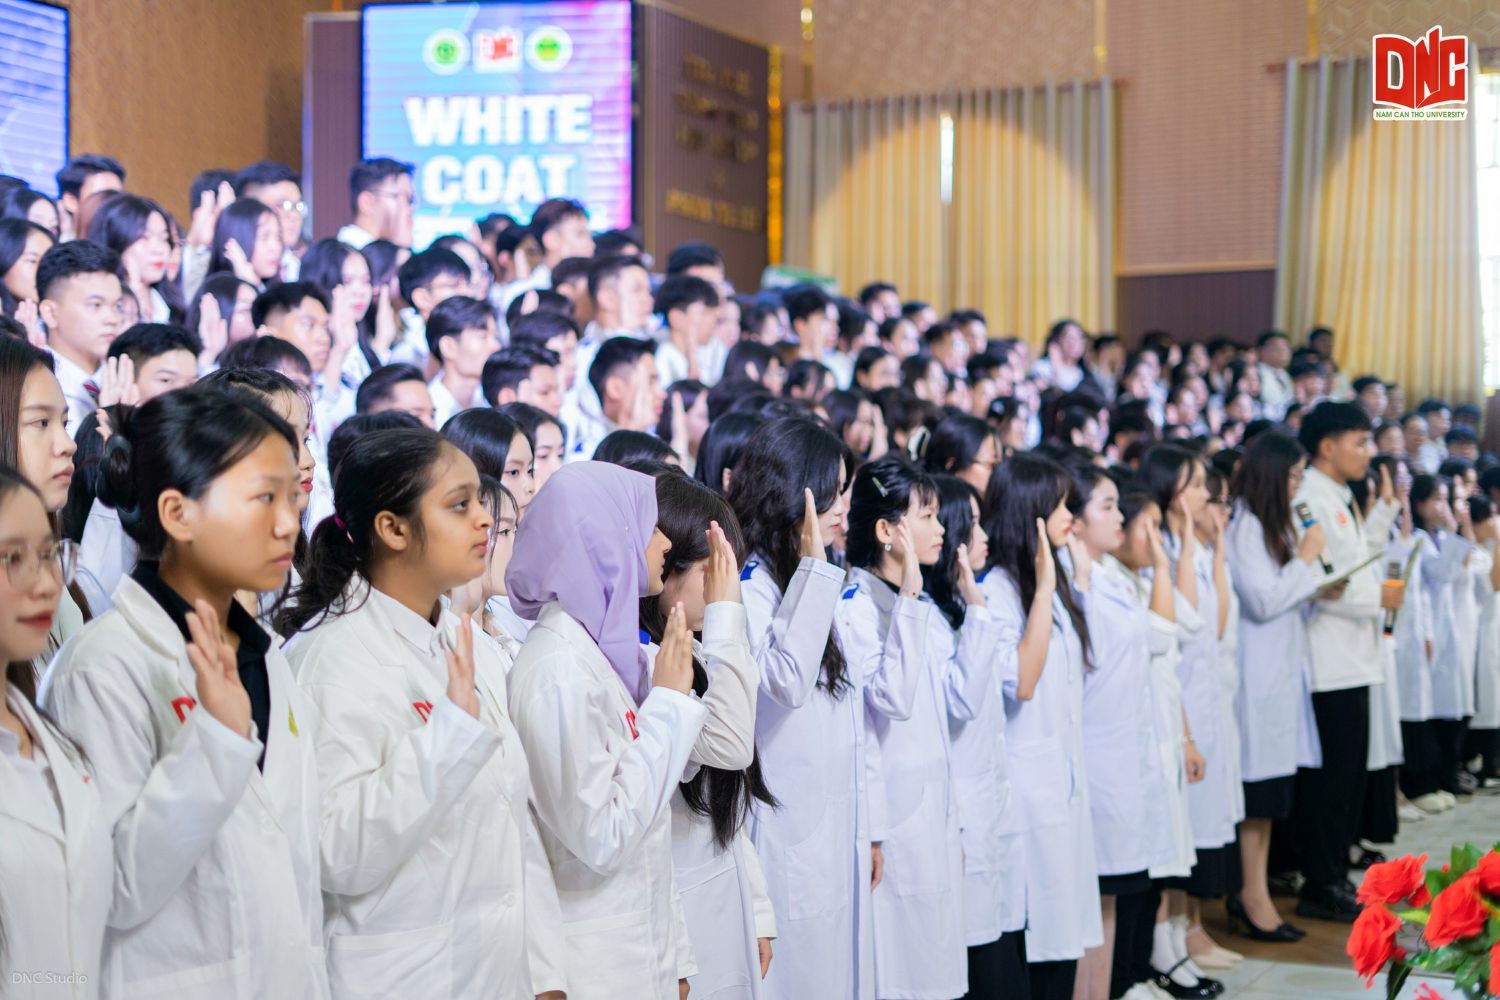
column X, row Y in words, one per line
column 582, row 543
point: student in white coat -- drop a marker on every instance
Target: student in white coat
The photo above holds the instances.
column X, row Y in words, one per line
column 914, row 683
column 34, row 441
column 477, row 598
column 1440, row 561
column 1484, row 728
column 788, row 490
column 1044, row 653
column 1119, row 741
column 425, row 828
column 719, row 877
column 198, row 736
column 56, row 864
column 1413, row 644
column 607, row 740
column 1275, row 577
column 994, row 902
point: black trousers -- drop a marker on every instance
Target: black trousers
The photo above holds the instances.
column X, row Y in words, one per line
column 1484, row 744
column 1052, row 980
column 1449, row 734
column 1331, row 798
column 1419, row 775
column 997, row 971
column 1378, row 821
column 1135, row 921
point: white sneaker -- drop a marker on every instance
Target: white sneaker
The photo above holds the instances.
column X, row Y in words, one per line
column 1449, row 798
column 1146, row 991
column 1432, row 803
column 1409, row 813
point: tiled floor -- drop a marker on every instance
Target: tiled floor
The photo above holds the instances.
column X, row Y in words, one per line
column 1317, row 967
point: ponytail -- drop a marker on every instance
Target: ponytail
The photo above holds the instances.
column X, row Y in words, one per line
column 384, row 471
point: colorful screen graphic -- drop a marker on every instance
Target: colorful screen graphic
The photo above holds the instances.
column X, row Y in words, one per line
column 501, row 106
column 33, row 92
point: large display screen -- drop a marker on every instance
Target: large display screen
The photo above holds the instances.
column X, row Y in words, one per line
column 501, row 106
column 33, row 92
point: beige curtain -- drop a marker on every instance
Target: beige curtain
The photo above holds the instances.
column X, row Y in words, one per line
column 1379, row 235
column 1027, row 232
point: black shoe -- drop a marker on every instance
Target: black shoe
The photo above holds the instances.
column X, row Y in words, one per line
column 1204, row 989
column 1368, row 858
column 1467, row 783
column 1328, row 904
column 1240, row 923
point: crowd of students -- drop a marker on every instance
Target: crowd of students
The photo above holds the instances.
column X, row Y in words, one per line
column 505, row 619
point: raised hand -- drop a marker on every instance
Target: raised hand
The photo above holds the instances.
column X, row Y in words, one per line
column 220, row 691
column 461, row 689
column 343, row 328
column 386, row 327
column 213, row 328
column 674, row 660
column 812, row 532
column 1160, row 561
column 1046, row 567
column 30, row 317
column 1387, row 487
column 721, row 575
column 968, row 587
column 235, row 254
column 880, row 442
column 911, row 566
column 117, row 382
column 679, row 440
column 1082, row 563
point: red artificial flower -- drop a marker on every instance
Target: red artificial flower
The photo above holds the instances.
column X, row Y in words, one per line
column 1393, row 881
column 1372, row 941
column 1487, row 873
column 1425, row 992
column 1458, row 912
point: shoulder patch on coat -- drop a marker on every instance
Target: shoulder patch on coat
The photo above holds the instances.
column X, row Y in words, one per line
column 850, row 591
column 748, row 570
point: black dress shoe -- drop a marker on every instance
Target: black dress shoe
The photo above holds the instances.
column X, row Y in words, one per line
column 1368, row 858
column 1204, row 989
column 1240, row 923
column 1328, row 904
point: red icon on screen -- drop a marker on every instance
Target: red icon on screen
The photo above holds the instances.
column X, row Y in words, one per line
column 497, row 51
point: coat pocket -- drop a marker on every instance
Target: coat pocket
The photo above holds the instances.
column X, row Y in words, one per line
column 916, row 861
column 979, row 805
column 818, row 868
column 417, row 962
column 1041, row 781
column 222, row 979
column 613, row 956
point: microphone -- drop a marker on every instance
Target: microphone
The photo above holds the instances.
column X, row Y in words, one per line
column 1305, row 515
column 1393, row 580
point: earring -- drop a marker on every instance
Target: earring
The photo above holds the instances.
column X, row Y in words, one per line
column 888, row 546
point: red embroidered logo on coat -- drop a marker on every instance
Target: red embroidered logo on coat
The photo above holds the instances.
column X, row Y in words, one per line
column 630, row 721
column 182, row 706
column 424, row 709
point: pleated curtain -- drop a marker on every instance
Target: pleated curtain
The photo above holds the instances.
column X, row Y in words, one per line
column 1027, row 233
column 1379, row 235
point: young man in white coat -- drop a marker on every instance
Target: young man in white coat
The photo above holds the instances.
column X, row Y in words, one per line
column 1344, row 636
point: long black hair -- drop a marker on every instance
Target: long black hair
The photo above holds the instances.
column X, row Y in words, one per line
column 181, row 440
column 781, row 459
column 119, row 221
column 683, row 510
column 956, row 442
column 13, row 236
column 882, row 491
column 239, row 222
column 721, row 447
column 485, row 435
column 625, row 447
column 382, row 471
column 843, row 406
column 1423, row 487
column 1164, row 471
column 956, row 514
column 1261, row 483
column 323, row 265
column 1023, row 488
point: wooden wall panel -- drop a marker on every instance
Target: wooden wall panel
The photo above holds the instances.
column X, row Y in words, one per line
column 1233, row 304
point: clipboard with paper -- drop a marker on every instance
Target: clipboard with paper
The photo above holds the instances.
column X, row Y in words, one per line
column 1343, row 575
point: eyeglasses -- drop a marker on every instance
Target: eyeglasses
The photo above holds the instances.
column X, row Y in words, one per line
column 23, row 563
column 300, row 207
column 409, row 199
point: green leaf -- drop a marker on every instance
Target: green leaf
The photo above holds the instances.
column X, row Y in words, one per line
column 1413, row 916
column 1464, row 858
column 1395, row 978
column 1469, row 973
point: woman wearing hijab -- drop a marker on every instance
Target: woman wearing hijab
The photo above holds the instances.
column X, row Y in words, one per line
column 606, row 738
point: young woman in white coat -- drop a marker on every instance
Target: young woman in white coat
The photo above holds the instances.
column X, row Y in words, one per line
column 606, row 737
column 914, row 684
column 1176, row 479
column 788, row 490
column 994, row 902
column 1275, row 576
column 719, row 877
column 34, row 441
column 198, row 736
column 475, row 599
column 425, row 830
column 56, row 865
column 1043, row 655
column 1484, row 728
column 1439, row 557
column 1119, row 742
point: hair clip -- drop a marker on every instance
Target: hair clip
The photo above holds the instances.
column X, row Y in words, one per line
column 880, row 486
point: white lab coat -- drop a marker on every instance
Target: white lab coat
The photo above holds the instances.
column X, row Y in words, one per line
column 1229, row 680
column 724, row 899
column 1118, row 736
column 918, row 912
column 1044, row 743
column 813, row 754
column 515, row 626
column 1413, row 632
column 425, row 828
column 1344, row 634
column 1210, row 801
column 1467, row 602
column 56, row 867
column 1487, row 683
column 216, row 888
column 105, row 555
column 1446, row 577
column 1278, row 731
column 603, row 770
column 994, row 886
